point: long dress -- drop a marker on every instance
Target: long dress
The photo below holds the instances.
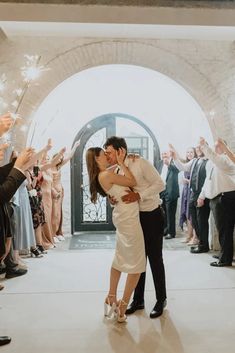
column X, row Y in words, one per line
column 24, row 237
column 47, row 234
column 184, row 210
column 130, row 251
column 36, row 203
column 57, row 215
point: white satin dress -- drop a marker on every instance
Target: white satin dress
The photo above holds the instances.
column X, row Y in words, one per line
column 130, row 252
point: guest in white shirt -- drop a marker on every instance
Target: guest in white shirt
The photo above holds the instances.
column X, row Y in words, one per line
column 219, row 187
column 222, row 145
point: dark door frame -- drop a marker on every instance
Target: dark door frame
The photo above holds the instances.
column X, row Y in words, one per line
column 107, row 121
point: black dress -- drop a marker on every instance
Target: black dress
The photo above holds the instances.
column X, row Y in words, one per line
column 36, row 202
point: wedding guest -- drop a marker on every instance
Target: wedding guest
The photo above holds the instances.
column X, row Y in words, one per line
column 219, row 187
column 170, row 195
column 46, row 166
column 46, row 187
column 24, row 238
column 58, row 194
column 35, row 178
column 11, row 177
column 199, row 216
column 185, row 197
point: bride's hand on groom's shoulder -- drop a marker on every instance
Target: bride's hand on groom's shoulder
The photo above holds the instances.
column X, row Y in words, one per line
column 133, row 156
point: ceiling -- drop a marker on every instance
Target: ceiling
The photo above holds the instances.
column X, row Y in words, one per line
column 152, row 3
column 54, row 29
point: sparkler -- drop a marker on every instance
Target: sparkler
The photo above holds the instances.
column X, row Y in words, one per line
column 212, row 119
column 3, row 80
column 30, row 72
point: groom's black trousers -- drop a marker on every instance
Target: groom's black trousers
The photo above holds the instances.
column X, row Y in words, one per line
column 153, row 228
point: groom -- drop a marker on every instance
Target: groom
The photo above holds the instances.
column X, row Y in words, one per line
column 146, row 192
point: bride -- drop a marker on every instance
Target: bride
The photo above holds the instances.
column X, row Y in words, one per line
column 129, row 253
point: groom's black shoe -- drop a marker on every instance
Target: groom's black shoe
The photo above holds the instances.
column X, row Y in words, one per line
column 158, row 309
column 4, row 340
column 135, row 305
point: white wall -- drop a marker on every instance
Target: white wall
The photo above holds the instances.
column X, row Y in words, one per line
column 163, row 105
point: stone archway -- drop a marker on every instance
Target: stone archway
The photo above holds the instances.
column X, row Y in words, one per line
column 134, row 52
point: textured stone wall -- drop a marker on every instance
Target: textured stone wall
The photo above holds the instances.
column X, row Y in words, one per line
column 204, row 68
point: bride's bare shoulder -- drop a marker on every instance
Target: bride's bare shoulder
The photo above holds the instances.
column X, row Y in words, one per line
column 104, row 174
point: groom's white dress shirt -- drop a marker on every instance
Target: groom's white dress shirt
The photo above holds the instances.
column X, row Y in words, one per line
column 149, row 183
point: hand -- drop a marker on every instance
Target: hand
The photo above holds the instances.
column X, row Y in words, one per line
column 6, row 123
column 131, row 196
column 220, row 143
column 112, row 200
column 200, row 202
column 202, row 141
column 172, row 151
column 185, row 181
column 62, row 151
column 77, row 143
column 24, row 158
column 120, row 155
column 56, row 196
column 49, row 145
column 133, row 156
column 3, row 146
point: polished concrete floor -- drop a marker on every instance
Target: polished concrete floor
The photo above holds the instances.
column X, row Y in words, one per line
column 58, row 307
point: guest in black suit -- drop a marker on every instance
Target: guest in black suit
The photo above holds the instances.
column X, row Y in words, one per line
column 170, row 195
column 11, row 177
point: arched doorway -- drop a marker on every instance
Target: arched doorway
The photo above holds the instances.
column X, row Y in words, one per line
column 167, row 109
column 86, row 216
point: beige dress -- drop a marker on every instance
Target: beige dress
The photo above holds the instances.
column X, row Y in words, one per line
column 47, row 235
column 130, row 252
column 57, row 215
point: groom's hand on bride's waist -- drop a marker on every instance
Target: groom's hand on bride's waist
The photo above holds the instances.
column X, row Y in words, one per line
column 131, row 196
column 112, row 200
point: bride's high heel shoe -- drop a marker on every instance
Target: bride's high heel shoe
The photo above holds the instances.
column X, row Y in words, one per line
column 110, row 305
column 121, row 309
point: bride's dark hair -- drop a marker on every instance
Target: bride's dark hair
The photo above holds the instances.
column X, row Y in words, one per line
column 93, row 172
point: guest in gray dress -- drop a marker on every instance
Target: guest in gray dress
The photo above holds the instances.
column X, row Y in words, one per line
column 24, row 237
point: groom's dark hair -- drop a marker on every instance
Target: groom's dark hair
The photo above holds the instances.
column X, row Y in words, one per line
column 116, row 142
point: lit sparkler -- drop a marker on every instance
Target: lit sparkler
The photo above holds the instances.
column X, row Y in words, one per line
column 31, row 71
